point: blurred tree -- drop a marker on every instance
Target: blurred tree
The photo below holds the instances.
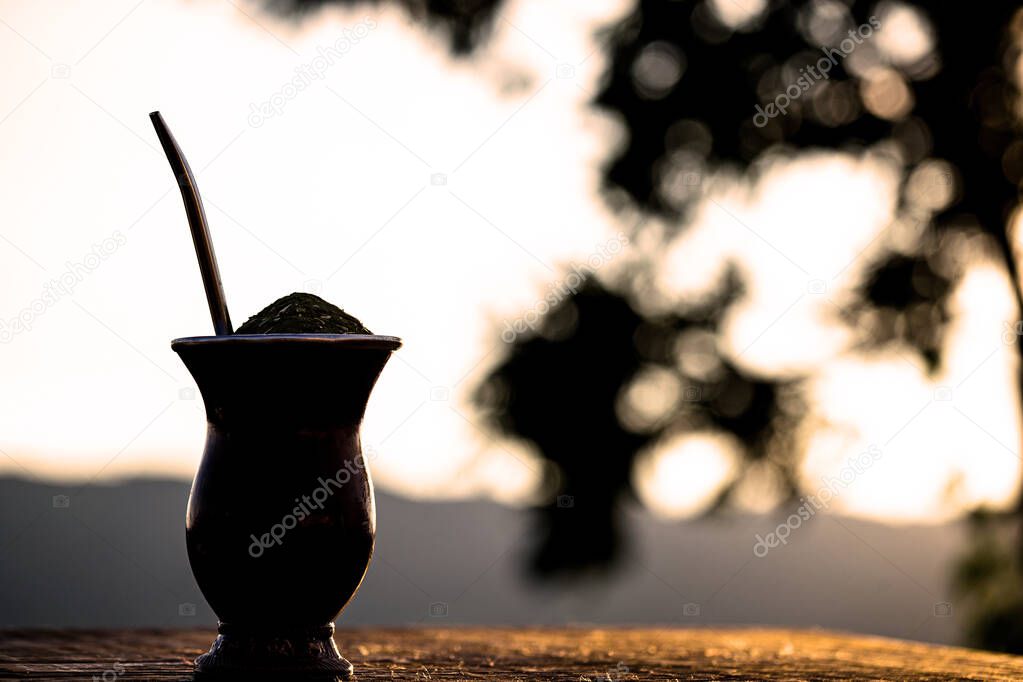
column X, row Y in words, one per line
column 947, row 113
column 466, row 22
column 687, row 84
column 950, row 115
column 562, row 389
column 990, row 579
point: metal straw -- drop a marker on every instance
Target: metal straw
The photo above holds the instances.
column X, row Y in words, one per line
column 200, row 229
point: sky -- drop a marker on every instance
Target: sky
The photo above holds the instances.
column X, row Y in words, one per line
column 435, row 198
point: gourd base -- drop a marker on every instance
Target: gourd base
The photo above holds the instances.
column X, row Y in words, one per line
column 301, row 654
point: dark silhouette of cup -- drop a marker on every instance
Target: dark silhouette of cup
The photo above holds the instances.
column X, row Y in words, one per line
column 281, row 519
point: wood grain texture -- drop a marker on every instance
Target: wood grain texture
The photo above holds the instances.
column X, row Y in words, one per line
column 525, row 654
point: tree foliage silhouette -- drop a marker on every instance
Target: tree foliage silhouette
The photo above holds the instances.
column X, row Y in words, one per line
column 466, row 22
column 962, row 115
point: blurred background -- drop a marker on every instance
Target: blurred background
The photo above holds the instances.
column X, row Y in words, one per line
column 710, row 307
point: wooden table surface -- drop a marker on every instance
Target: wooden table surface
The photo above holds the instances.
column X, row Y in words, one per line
column 524, row 654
